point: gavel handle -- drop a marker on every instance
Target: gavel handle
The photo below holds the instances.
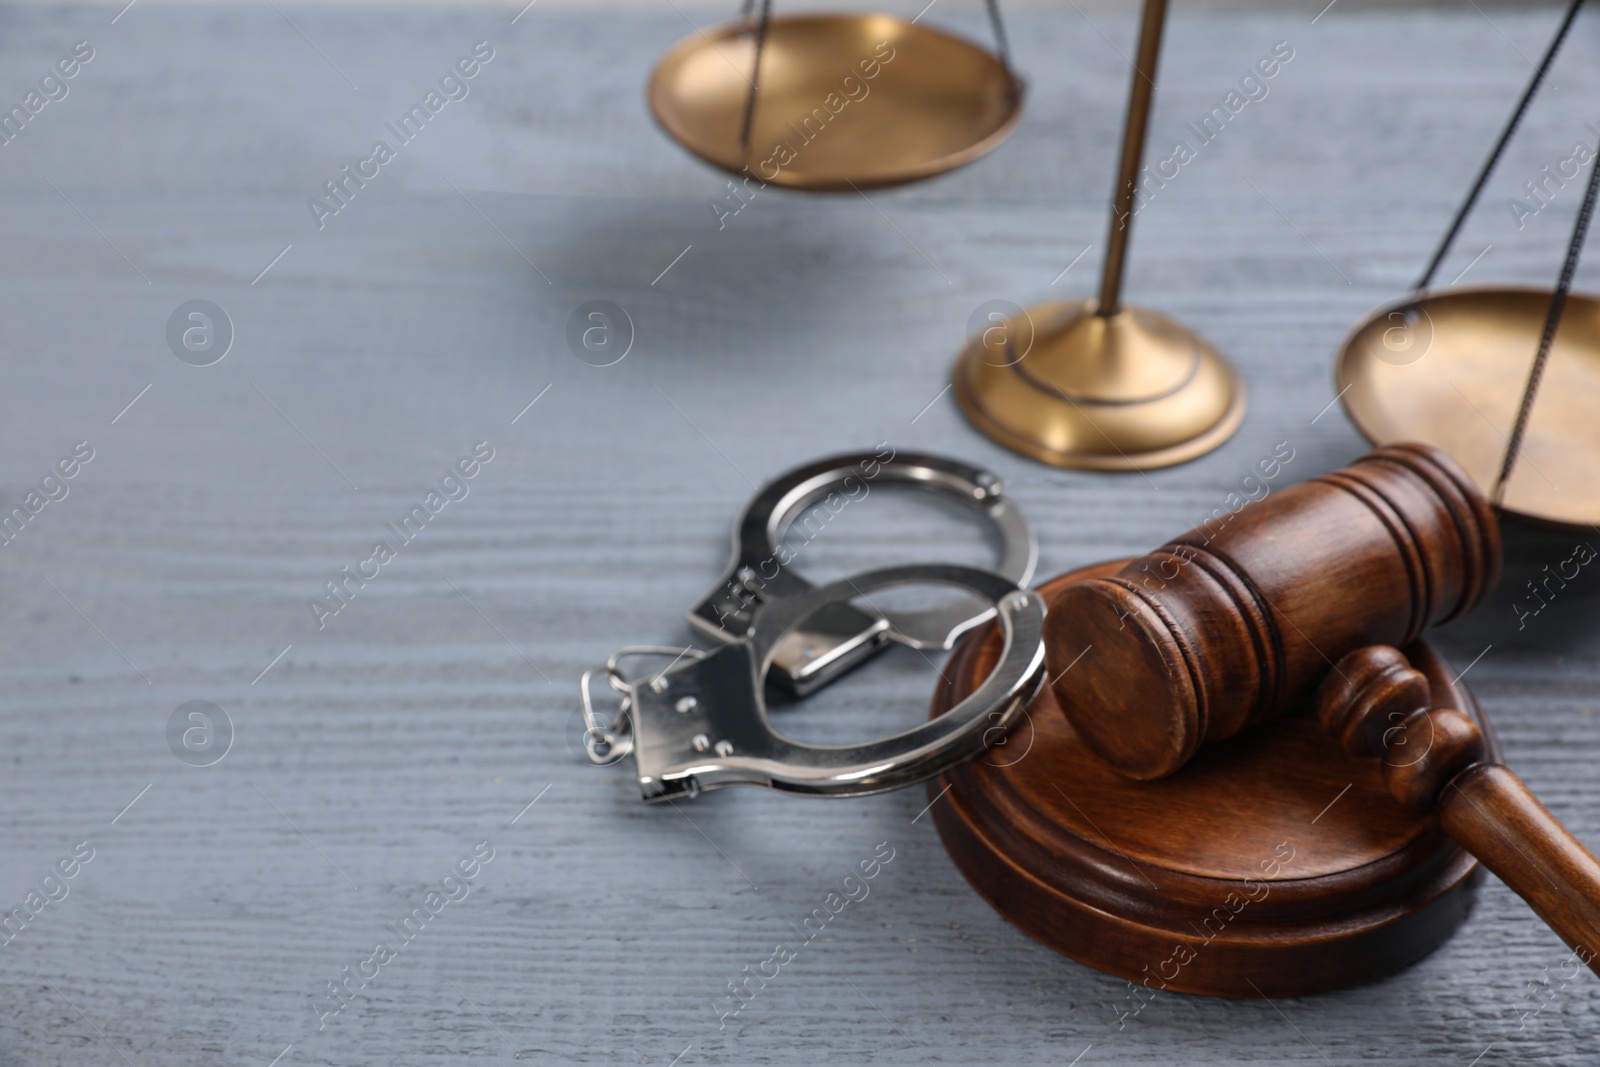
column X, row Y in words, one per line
column 1436, row 759
column 1494, row 816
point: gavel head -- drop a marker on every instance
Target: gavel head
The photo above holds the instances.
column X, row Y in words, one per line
column 1240, row 618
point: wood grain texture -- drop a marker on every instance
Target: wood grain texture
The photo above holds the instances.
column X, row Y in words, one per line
column 408, row 729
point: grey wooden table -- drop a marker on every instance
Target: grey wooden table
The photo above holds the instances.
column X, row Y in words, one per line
column 370, row 755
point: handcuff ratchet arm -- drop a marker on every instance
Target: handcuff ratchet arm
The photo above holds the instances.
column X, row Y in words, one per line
column 704, row 724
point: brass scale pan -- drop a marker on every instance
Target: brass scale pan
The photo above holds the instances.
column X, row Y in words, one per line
column 1449, row 369
column 936, row 103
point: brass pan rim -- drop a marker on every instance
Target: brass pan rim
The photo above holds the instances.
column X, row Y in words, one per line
column 659, row 97
column 1365, row 417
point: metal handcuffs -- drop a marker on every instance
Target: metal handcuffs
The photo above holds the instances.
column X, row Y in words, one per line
column 701, row 722
column 841, row 636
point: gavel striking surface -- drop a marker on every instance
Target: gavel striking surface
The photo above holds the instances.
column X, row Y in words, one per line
column 1275, row 864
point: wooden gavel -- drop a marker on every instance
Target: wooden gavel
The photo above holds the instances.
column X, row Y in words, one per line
column 1238, row 620
column 1241, row 618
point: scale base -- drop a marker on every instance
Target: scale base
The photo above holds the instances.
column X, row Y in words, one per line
column 1271, row 865
column 1073, row 388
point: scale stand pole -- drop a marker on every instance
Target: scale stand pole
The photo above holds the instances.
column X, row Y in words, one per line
column 1140, row 97
column 1097, row 385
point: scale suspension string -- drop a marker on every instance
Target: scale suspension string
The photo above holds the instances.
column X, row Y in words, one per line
column 1001, row 46
column 1552, row 320
column 1500, row 145
column 755, row 73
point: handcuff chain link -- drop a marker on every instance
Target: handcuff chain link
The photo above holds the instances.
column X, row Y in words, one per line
column 604, row 744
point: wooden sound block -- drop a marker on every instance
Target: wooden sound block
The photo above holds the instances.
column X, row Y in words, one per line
column 1272, row 864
